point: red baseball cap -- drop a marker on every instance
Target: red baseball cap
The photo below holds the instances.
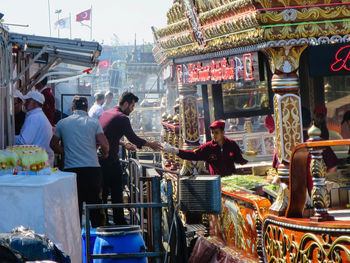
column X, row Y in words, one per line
column 217, row 124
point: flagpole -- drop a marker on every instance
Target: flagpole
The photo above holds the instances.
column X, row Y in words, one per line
column 58, row 11
column 70, row 25
column 91, row 23
column 48, row 5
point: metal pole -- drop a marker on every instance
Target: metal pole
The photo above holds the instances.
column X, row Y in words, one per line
column 87, row 232
column 70, row 26
column 48, row 5
column 91, row 22
column 58, row 26
column 156, row 216
column 58, row 12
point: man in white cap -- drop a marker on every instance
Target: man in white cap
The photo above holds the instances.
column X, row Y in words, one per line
column 19, row 113
column 108, row 101
column 36, row 129
column 96, row 110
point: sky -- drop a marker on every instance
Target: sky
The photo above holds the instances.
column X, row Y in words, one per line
column 121, row 17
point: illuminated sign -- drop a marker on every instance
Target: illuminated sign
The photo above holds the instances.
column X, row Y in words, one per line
column 236, row 68
column 341, row 59
column 329, row 60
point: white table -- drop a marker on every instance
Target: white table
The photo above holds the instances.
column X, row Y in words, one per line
column 48, row 204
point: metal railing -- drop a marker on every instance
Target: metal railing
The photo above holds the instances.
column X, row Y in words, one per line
column 137, row 181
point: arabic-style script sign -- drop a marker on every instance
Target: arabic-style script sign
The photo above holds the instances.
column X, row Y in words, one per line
column 341, row 59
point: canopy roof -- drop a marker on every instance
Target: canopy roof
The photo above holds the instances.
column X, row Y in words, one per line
column 76, row 52
column 201, row 26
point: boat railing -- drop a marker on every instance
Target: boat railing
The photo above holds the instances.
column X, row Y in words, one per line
column 145, row 207
column 298, row 178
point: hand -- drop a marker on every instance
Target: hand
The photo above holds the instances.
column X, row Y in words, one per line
column 155, row 145
column 169, row 149
column 129, row 146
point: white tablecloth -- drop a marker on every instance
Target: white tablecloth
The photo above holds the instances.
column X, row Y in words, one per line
column 48, row 204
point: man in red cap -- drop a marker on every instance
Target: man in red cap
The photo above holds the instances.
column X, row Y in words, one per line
column 221, row 153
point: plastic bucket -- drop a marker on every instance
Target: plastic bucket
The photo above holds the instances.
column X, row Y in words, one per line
column 119, row 239
column 92, row 241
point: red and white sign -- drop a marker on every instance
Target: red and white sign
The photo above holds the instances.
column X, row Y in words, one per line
column 104, row 64
column 233, row 68
column 84, row 15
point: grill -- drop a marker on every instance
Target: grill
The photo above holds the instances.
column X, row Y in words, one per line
column 200, row 194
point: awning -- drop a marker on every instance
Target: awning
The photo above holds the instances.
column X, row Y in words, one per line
column 76, row 52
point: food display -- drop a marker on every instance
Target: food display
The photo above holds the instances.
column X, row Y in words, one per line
column 246, row 182
column 249, row 183
column 24, row 158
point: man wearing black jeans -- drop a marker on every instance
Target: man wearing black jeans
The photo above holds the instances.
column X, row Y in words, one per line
column 116, row 124
column 80, row 134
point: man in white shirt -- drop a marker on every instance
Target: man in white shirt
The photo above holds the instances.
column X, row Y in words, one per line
column 36, row 129
column 96, row 110
column 108, row 101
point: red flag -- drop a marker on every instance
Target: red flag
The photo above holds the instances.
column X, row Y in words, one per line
column 104, row 64
column 84, row 15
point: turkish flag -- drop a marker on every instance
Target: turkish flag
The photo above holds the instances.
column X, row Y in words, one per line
column 104, row 64
column 84, row 15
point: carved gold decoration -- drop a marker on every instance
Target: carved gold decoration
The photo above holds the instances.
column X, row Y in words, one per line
column 282, row 247
column 280, row 205
column 285, row 59
column 201, row 169
column 291, row 124
column 277, row 125
column 165, row 139
column 304, row 14
column 225, row 42
column 187, row 168
column 173, row 29
column 307, row 30
column 319, row 194
column 286, row 3
column 248, row 128
column 190, row 119
column 226, row 11
column 290, row 132
column 233, row 216
column 176, row 12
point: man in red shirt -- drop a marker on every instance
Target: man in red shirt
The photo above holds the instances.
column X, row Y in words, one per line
column 221, row 153
column 116, row 124
column 49, row 104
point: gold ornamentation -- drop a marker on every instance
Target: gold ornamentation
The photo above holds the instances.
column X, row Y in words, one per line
column 176, row 12
column 291, row 133
column 319, row 194
column 305, row 14
column 190, row 119
column 285, row 59
column 201, row 169
column 187, row 168
column 278, row 123
column 231, row 41
column 286, row 3
column 307, row 30
column 281, row 247
column 231, row 8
